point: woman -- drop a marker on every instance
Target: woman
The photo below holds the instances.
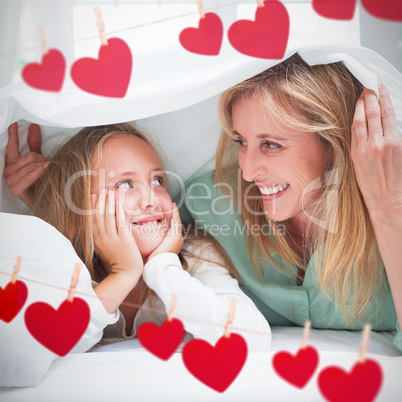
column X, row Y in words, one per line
column 319, row 193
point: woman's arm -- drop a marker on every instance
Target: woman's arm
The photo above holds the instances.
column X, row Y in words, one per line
column 203, row 300
column 377, row 158
column 21, row 172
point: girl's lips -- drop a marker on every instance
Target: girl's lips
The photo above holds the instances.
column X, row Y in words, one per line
column 148, row 219
column 272, row 197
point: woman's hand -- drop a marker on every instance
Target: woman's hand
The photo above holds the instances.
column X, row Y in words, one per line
column 377, row 159
column 173, row 241
column 21, row 172
column 377, row 155
column 113, row 239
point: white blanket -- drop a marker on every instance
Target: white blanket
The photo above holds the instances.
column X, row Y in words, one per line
column 126, row 371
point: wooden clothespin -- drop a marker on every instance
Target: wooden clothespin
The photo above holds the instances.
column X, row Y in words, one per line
column 16, row 269
column 74, row 282
column 364, row 342
column 260, row 3
column 43, row 40
column 200, row 8
column 306, row 334
column 101, row 25
column 229, row 322
column 172, row 307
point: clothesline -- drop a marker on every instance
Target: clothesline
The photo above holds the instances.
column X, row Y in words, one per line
column 117, row 31
column 22, row 278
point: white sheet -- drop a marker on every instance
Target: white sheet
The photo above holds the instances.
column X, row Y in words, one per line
column 125, row 371
column 179, row 102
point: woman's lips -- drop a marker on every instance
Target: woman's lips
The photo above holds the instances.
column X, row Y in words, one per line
column 271, row 197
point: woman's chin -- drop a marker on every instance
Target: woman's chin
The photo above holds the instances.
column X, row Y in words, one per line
column 278, row 217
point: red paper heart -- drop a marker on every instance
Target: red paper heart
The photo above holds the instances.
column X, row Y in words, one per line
column 389, row 10
column 361, row 384
column 12, row 299
column 48, row 75
column 206, row 39
column 161, row 341
column 335, row 9
column 215, row 366
column 109, row 75
column 58, row 330
column 297, row 369
column 267, row 36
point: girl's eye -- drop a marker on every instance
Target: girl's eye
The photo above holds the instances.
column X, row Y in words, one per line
column 125, row 184
column 158, row 181
column 239, row 141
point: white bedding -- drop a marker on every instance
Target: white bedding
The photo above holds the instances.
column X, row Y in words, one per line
column 126, row 371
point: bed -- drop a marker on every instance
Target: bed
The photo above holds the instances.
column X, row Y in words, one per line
column 167, row 103
column 126, row 371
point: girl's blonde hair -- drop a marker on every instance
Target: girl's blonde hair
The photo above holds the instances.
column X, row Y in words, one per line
column 319, row 100
column 61, row 196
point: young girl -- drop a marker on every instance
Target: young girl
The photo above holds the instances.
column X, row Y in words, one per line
column 106, row 191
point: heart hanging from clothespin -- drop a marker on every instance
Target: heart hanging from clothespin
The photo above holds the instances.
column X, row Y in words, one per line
column 59, row 330
column 388, row 10
column 297, row 369
column 13, row 296
column 217, row 366
column 342, row 10
column 49, row 74
column 361, row 384
column 162, row 341
column 207, row 38
column 267, row 36
column 109, row 75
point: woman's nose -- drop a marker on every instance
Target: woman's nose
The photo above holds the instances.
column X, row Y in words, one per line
column 251, row 165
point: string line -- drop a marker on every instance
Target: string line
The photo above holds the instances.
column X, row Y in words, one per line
column 108, row 33
column 134, row 305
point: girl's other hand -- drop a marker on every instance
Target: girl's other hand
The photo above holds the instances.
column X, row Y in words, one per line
column 21, row 172
column 377, row 155
column 113, row 239
column 173, row 241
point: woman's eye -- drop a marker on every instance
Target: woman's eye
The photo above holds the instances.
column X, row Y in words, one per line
column 271, row 145
column 125, row 184
column 239, row 141
column 158, row 181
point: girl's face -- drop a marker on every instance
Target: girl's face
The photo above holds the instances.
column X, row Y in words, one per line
column 283, row 163
column 130, row 167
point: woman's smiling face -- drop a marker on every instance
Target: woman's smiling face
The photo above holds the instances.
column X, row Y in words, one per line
column 280, row 161
column 130, row 167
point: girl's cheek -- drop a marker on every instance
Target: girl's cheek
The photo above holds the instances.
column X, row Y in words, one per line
column 130, row 200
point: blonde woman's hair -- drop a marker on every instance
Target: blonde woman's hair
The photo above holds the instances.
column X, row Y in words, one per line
column 61, row 197
column 318, row 100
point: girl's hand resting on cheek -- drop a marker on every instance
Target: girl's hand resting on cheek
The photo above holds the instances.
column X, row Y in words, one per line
column 113, row 239
column 173, row 241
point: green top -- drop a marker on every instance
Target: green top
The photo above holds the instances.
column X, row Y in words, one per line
column 276, row 294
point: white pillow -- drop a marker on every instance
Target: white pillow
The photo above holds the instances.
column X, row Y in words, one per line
column 48, row 260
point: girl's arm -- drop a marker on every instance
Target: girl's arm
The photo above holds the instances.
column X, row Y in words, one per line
column 203, row 300
column 377, row 158
column 116, row 247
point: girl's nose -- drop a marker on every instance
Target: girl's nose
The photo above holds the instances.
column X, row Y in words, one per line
column 140, row 198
